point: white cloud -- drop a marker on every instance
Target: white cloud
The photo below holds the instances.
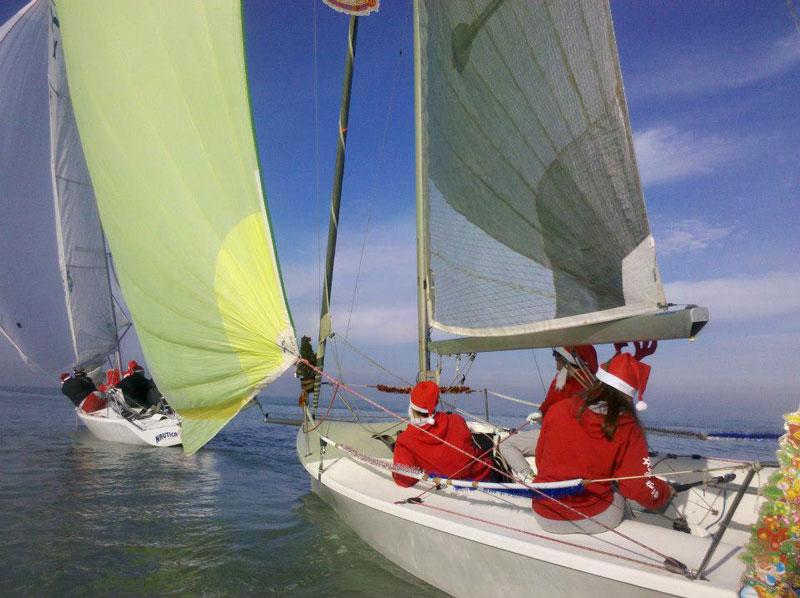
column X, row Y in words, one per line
column 689, row 235
column 704, row 71
column 384, row 310
column 666, row 154
column 741, row 298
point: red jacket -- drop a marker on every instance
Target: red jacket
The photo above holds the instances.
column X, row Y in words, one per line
column 417, row 449
column 571, row 387
column 569, row 448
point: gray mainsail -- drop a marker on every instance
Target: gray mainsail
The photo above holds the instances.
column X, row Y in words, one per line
column 535, row 218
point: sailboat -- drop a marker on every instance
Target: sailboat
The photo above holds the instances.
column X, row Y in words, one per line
column 57, row 247
column 532, row 232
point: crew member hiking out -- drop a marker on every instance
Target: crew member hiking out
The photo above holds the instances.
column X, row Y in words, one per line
column 81, row 390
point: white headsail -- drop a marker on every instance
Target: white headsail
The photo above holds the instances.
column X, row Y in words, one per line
column 55, row 249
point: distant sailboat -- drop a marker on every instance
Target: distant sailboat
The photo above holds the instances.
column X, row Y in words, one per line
column 162, row 105
column 531, row 232
column 48, row 194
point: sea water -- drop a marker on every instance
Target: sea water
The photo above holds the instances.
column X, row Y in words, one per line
column 84, row 517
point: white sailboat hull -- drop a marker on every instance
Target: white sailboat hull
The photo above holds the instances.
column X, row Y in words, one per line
column 110, row 426
column 476, row 544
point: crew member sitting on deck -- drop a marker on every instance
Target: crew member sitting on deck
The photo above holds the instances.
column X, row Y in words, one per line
column 571, row 363
column 597, row 436
column 80, row 389
column 135, row 386
column 424, row 443
column 575, row 371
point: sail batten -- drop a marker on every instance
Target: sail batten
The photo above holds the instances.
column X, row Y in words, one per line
column 161, row 99
column 535, row 218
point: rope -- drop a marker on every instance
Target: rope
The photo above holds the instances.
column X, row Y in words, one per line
column 378, row 172
column 323, row 419
column 538, row 371
column 372, row 361
column 437, row 480
column 540, row 536
column 512, row 399
column 683, row 472
column 492, row 467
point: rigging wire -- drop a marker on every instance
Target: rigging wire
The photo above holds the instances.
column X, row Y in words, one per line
column 538, row 371
column 378, row 171
column 790, row 5
column 316, row 154
column 372, row 361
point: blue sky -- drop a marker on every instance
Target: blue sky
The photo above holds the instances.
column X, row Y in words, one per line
column 713, row 94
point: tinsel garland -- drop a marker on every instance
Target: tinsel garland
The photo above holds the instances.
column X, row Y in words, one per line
column 405, row 390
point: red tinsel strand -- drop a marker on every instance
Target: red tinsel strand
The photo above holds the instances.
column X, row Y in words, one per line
column 404, row 390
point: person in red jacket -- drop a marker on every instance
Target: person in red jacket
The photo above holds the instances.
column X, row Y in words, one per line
column 422, row 444
column 570, row 379
column 575, row 372
column 596, row 436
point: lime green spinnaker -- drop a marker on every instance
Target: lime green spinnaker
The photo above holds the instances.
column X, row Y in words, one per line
column 161, row 99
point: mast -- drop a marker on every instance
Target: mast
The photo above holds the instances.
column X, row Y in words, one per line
column 336, row 196
column 111, row 299
column 422, row 266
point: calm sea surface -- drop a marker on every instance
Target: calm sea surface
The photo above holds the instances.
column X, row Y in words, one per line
column 83, row 517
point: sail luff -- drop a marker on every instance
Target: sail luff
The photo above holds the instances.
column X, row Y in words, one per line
column 336, row 198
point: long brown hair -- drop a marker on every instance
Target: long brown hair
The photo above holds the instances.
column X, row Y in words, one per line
column 617, row 403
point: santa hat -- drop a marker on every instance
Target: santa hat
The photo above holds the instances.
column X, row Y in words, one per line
column 132, row 365
column 64, row 377
column 424, row 398
column 627, row 375
column 585, row 352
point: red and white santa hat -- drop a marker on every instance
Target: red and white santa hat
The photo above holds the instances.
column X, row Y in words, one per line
column 627, row 375
column 586, row 352
column 64, row 377
column 424, row 398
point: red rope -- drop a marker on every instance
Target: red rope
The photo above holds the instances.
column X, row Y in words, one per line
column 322, row 420
column 535, row 535
column 405, row 390
column 472, row 457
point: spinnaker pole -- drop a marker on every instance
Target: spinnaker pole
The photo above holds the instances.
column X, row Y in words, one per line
column 336, row 196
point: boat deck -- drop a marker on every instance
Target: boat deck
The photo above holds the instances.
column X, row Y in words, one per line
column 506, row 524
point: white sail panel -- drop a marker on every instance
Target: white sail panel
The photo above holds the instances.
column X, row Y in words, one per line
column 33, row 319
column 82, row 252
column 534, row 207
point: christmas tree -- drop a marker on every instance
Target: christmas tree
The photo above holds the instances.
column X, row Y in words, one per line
column 772, row 556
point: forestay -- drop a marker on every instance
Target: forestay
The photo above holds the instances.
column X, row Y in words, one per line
column 534, row 208
column 54, row 248
column 161, row 100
